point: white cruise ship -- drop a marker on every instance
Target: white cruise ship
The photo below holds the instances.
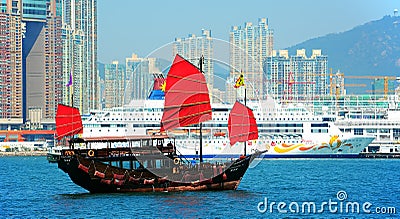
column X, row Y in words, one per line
column 290, row 131
column 377, row 116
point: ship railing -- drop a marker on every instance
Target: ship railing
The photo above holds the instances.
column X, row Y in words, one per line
column 367, row 122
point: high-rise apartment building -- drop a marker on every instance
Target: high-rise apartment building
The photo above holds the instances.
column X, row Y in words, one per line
column 298, row 77
column 139, row 76
column 36, row 58
column 114, row 84
column 192, row 48
column 53, row 80
column 34, row 18
column 249, row 47
column 11, row 90
column 79, row 49
column 29, row 60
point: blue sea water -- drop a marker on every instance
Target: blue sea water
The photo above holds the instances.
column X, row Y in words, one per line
column 30, row 187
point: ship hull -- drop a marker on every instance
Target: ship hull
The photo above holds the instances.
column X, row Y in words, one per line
column 277, row 156
column 311, row 156
column 339, row 148
column 82, row 172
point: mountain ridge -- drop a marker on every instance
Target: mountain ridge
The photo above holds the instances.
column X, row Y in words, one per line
column 372, row 48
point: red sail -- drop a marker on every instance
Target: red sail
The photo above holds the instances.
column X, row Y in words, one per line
column 68, row 121
column 187, row 101
column 242, row 125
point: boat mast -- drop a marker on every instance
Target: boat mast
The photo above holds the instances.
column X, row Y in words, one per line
column 201, row 124
column 245, row 142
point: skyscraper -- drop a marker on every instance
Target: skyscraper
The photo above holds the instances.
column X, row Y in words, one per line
column 249, row 46
column 139, row 75
column 193, row 47
column 114, row 84
column 36, row 58
column 29, row 63
column 297, row 77
column 79, row 48
column 53, row 81
column 11, row 78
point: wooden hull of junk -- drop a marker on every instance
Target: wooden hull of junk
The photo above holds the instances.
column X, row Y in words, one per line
column 121, row 170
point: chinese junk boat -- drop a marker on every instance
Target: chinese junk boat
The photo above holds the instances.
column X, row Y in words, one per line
column 151, row 162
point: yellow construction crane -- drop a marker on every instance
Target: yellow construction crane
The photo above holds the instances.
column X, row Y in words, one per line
column 385, row 80
column 336, row 82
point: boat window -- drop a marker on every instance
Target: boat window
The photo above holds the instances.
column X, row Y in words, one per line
column 358, row 131
column 319, row 125
column 220, row 109
column 384, row 131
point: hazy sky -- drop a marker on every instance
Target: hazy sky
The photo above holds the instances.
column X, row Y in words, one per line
column 127, row 26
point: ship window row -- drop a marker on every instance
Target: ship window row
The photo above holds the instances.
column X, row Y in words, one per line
column 319, row 125
column 221, row 119
column 99, row 130
column 220, row 110
column 366, row 116
column 138, row 110
column 280, row 131
column 105, row 125
column 292, row 119
column 205, row 141
column 130, row 119
column 136, row 114
column 211, row 125
column 319, row 130
column 113, row 125
column 222, row 142
column 145, row 125
column 345, row 130
column 281, row 125
column 358, row 131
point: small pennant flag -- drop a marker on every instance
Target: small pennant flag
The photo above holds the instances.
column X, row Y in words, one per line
column 163, row 86
column 239, row 81
column 70, row 80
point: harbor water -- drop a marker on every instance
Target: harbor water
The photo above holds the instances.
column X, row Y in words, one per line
column 30, row 187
